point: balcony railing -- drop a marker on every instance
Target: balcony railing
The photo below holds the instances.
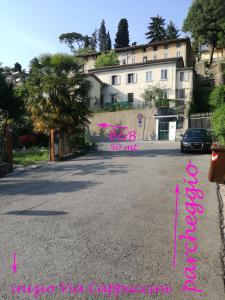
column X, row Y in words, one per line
column 177, row 105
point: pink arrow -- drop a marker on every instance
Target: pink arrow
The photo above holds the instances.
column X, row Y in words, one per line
column 14, row 263
column 104, row 125
column 177, row 191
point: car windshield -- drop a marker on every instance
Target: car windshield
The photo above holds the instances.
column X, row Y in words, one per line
column 196, row 133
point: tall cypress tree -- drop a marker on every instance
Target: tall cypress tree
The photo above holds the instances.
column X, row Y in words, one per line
column 122, row 36
column 156, row 29
column 102, row 37
column 109, row 42
column 171, row 31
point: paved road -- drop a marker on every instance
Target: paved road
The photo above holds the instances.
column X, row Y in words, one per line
column 108, row 217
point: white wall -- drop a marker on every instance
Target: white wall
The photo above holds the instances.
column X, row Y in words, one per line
column 138, row 88
column 187, row 85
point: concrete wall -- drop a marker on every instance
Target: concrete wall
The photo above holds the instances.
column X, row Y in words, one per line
column 125, row 118
column 216, row 71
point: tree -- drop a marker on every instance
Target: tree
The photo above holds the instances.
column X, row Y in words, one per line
column 217, row 102
column 205, row 22
column 102, row 37
column 86, row 41
column 122, row 35
column 11, row 105
column 109, row 42
column 107, row 59
column 57, row 94
column 93, row 40
column 17, row 67
column 218, row 123
column 172, row 32
column 156, row 29
column 72, row 40
column 152, row 94
column 217, row 97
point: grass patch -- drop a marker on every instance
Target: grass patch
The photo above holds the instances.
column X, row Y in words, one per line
column 28, row 157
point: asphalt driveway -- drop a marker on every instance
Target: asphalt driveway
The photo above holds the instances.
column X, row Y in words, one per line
column 107, row 217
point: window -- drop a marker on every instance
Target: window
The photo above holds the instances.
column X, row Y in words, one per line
column 131, row 78
column 114, row 80
column 144, row 49
column 178, row 54
column 184, row 76
column 145, row 59
column 178, row 45
column 166, row 46
column 154, row 57
column 164, row 75
column 130, row 97
column 133, row 60
column 124, row 62
column 165, row 94
column 165, row 55
column 149, row 76
column 155, row 48
column 114, row 98
column 180, row 94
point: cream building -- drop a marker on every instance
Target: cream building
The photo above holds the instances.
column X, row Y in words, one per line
column 152, row 51
column 127, row 83
column 218, row 55
column 167, row 65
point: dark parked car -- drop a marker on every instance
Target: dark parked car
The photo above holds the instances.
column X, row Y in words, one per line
column 196, row 139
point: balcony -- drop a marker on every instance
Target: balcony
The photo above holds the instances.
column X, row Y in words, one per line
column 122, row 105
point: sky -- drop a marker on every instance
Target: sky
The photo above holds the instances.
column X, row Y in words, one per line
column 31, row 27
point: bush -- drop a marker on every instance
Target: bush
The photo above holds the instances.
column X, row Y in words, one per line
column 107, row 59
column 217, row 97
column 27, row 140
column 162, row 103
column 218, row 123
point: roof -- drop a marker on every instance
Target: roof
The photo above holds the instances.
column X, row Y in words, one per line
column 96, row 77
column 149, row 62
column 142, row 46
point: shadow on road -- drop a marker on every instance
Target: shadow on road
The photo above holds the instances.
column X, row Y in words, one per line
column 99, row 168
column 44, row 187
column 147, row 153
column 43, row 213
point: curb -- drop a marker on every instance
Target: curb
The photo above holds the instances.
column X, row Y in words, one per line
column 19, row 170
column 221, row 198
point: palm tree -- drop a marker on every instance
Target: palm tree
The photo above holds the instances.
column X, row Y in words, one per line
column 57, row 92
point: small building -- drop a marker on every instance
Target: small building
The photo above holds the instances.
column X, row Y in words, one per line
column 205, row 52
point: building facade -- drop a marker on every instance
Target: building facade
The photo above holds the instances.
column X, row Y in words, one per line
column 148, row 52
column 167, row 65
column 127, row 83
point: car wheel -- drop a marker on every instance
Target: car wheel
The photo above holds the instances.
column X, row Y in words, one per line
column 182, row 150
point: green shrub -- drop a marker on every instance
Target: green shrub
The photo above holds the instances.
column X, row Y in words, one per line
column 217, row 97
column 162, row 103
column 218, row 123
column 107, row 59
